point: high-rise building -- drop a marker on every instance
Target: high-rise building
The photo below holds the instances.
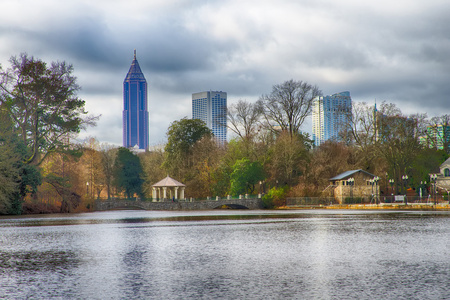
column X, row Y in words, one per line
column 437, row 136
column 211, row 108
column 135, row 110
column 330, row 116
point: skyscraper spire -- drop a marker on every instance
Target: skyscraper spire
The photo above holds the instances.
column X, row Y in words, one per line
column 135, row 70
column 135, row 108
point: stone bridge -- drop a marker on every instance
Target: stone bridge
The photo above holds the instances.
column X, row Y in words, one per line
column 254, row 203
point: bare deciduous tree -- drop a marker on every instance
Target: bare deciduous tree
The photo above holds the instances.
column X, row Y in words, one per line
column 243, row 118
column 152, row 166
column 288, row 105
column 108, row 154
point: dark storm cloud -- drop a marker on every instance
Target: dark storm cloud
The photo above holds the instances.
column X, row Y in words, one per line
column 86, row 40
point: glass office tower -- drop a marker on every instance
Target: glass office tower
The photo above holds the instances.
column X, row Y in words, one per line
column 330, row 116
column 135, row 110
column 211, row 108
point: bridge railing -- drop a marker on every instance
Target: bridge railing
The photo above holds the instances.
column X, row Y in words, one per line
column 189, row 199
column 240, row 197
column 168, row 204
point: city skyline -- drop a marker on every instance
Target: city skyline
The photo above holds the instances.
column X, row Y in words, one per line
column 378, row 50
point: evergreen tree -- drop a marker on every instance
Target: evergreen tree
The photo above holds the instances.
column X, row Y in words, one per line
column 128, row 172
column 43, row 104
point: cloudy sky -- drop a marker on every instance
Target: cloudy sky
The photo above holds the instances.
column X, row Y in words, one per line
column 394, row 51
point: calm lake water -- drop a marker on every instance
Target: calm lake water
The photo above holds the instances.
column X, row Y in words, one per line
column 314, row 254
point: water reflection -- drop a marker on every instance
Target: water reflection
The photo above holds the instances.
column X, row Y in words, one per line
column 226, row 254
column 36, row 261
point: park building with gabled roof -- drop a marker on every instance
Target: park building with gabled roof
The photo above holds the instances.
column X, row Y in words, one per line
column 354, row 184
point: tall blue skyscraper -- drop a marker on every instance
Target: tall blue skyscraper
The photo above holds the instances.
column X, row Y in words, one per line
column 211, row 108
column 330, row 115
column 135, row 110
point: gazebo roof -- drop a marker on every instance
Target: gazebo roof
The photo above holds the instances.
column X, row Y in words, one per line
column 168, row 182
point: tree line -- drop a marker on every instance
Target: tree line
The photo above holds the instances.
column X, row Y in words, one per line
column 42, row 169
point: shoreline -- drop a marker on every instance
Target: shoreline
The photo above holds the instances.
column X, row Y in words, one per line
column 412, row 207
column 398, row 207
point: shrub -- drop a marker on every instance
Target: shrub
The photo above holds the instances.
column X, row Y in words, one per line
column 275, row 197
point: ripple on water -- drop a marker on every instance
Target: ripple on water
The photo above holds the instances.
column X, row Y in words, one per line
column 243, row 255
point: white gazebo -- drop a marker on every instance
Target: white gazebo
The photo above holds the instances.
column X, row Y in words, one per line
column 169, row 188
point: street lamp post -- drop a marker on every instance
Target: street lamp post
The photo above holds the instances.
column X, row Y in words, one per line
column 376, row 179
column 423, row 185
column 386, row 181
column 87, row 189
column 351, row 182
column 433, row 178
column 371, row 183
column 405, row 181
column 420, row 191
column 391, row 182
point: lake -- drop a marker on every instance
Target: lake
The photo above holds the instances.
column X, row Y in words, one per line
column 227, row 254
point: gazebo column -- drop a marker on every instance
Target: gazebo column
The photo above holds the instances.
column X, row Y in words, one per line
column 182, row 193
column 164, row 192
column 176, row 192
column 154, row 194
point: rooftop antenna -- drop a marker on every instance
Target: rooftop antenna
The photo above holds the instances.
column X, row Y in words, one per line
column 134, row 53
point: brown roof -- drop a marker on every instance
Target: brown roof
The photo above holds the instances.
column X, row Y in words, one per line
column 168, row 182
